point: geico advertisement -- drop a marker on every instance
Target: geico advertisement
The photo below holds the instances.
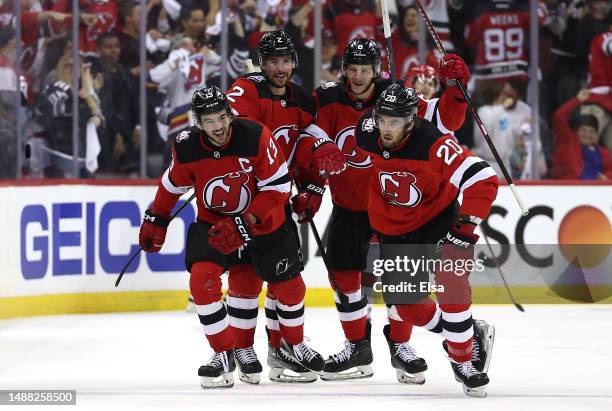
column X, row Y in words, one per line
column 76, row 238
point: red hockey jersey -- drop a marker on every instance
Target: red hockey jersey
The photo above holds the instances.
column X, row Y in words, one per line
column 337, row 114
column 498, row 33
column 247, row 175
column 414, row 182
column 600, row 61
column 107, row 14
column 349, row 23
column 285, row 116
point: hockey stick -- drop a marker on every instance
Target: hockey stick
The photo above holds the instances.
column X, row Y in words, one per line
column 249, row 64
column 516, row 304
column 485, row 134
column 387, row 31
column 137, row 253
column 344, row 300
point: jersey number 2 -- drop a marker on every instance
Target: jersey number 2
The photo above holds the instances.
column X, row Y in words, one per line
column 235, row 92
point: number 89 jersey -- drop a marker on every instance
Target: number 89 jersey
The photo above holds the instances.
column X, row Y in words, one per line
column 414, row 182
column 498, row 33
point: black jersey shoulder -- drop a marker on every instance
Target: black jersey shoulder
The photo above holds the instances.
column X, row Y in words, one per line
column 336, row 93
column 380, row 85
column 192, row 145
column 300, row 97
column 419, row 143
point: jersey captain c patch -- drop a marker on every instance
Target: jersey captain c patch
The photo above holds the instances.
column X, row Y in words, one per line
column 228, row 194
column 399, row 188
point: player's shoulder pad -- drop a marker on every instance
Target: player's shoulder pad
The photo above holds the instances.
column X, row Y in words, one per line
column 303, row 99
column 380, row 84
column 251, row 83
column 329, row 93
column 246, row 134
column 188, row 147
column 423, row 137
column 366, row 133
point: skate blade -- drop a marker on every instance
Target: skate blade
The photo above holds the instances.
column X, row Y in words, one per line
column 478, row 392
column 254, row 378
column 224, row 381
column 284, row 375
column 355, row 373
column 489, row 338
column 406, row 378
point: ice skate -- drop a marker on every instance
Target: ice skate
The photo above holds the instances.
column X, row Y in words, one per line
column 409, row 367
column 249, row 366
column 304, row 355
column 285, row 370
column 473, row 381
column 353, row 362
column 218, row 373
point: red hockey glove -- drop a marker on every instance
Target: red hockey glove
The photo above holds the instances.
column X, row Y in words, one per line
column 458, row 245
column 307, row 201
column 452, row 68
column 229, row 234
column 327, row 157
column 153, row 231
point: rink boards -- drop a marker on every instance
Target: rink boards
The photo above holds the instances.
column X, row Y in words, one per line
column 63, row 245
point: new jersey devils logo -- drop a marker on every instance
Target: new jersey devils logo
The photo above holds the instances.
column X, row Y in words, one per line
column 399, row 188
column 228, row 194
column 345, row 141
column 286, row 133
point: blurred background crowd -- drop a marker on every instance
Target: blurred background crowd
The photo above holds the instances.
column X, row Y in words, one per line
column 45, row 120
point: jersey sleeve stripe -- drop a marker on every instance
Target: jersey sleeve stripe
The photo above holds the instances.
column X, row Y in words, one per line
column 315, row 131
column 472, row 171
column 458, row 174
column 281, row 172
column 480, row 176
column 170, row 186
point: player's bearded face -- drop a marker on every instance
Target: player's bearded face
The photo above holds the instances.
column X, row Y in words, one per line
column 393, row 130
column 278, row 70
column 426, row 86
column 216, row 126
column 359, row 77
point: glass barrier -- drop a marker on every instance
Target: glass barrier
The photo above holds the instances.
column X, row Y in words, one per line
column 138, row 62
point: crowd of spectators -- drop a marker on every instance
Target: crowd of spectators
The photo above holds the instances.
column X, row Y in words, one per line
column 183, row 53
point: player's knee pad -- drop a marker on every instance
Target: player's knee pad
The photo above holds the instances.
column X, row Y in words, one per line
column 457, row 290
column 418, row 314
column 454, row 308
column 243, row 282
column 205, row 282
column 289, row 292
column 348, row 281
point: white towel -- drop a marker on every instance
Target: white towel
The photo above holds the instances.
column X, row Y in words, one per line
column 93, row 148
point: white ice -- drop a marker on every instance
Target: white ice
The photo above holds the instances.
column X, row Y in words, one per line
column 549, row 358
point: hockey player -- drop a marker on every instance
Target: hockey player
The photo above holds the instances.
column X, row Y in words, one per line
column 285, row 108
column 242, row 185
column 339, row 106
column 418, row 174
column 448, row 111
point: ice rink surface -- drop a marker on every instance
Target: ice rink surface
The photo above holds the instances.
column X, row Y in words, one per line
column 555, row 357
